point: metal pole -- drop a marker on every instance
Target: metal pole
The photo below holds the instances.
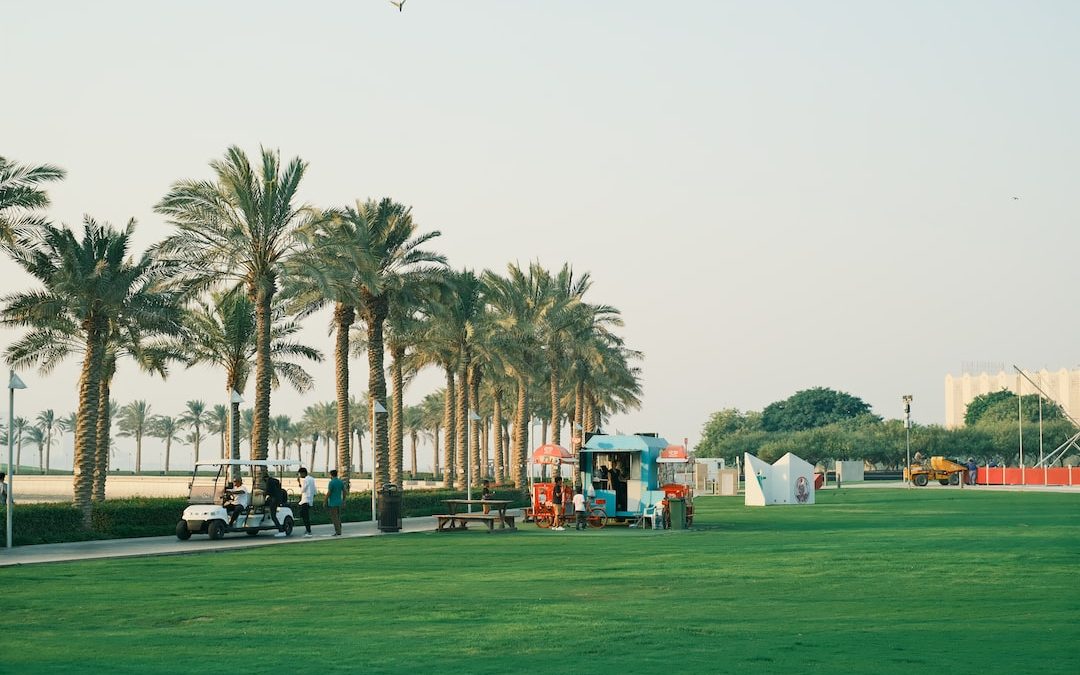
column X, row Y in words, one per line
column 374, row 458
column 10, row 449
column 1020, row 424
column 468, row 459
column 907, row 436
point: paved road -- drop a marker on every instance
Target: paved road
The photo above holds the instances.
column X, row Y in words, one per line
column 148, row 546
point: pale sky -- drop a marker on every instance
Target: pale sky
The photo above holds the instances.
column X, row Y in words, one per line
column 777, row 195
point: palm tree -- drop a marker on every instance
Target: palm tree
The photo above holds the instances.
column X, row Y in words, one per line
column 432, row 412
column 241, row 227
column 91, row 288
column 20, row 194
column 18, row 427
column 69, row 424
column 221, row 332
column 398, row 261
column 195, row 417
column 413, row 421
column 134, row 420
column 168, row 429
column 35, row 435
column 218, row 424
column 331, row 269
column 49, row 422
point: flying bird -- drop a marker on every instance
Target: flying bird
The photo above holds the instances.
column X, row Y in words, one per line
column 1014, row 198
column 398, row 3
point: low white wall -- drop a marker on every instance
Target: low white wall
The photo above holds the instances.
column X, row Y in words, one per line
column 850, row 471
column 26, row 488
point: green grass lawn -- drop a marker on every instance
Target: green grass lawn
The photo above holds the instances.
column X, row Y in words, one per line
column 868, row 580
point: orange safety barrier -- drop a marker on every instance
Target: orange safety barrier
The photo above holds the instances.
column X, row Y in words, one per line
column 1056, row 475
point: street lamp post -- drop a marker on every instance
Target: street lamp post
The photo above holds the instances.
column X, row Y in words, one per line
column 13, row 383
column 376, row 409
column 908, row 398
column 469, row 419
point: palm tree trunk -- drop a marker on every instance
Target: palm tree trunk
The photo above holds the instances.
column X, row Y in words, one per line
column 344, row 317
column 435, row 442
column 260, row 425
column 314, row 441
column 556, row 411
column 474, row 436
column 168, row 451
column 48, row 450
column 496, row 422
column 397, row 427
column 485, row 446
column 461, row 444
column 449, row 429
column 359, row 452
column 101, row 464
column 518, row 471
column 86, row 427
column 577, row 427
column 138, row 450
column 375, row 314
column 413, row 437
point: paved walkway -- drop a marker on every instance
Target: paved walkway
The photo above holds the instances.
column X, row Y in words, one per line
column 170, row 545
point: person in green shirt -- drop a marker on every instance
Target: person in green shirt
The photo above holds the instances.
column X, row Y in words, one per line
column 335, row 499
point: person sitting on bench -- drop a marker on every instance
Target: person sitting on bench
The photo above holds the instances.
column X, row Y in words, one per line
column 240, row 500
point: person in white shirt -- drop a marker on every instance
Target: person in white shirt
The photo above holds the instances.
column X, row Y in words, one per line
column 307, row 498
column 579, row 509
column 241, row 499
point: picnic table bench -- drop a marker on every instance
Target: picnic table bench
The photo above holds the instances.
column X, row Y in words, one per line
column 456, row 522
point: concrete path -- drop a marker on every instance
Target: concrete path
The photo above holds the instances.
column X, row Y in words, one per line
column 199, row 543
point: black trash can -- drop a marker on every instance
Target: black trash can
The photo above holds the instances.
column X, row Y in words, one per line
column 389, row 508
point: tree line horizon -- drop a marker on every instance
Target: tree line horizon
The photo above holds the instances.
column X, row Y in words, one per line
column 821, row 424
column 246, row 262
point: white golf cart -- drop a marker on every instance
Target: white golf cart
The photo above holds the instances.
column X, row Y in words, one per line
column 207, row 499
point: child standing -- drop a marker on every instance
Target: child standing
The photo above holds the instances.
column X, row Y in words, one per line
column 579, row 509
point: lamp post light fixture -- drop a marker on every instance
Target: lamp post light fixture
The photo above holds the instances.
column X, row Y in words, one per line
column 908, row 398
column 13, row 383
column 376, row 409
column 469, row 419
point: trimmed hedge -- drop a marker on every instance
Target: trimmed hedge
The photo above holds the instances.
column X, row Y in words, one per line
column 155, row 517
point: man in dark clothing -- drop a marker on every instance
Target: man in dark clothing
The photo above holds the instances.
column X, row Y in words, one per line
column 273, row 501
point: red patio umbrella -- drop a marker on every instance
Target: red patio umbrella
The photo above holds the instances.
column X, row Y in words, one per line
column 550, row 453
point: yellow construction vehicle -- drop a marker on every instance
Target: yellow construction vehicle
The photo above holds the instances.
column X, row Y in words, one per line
column 944, row 471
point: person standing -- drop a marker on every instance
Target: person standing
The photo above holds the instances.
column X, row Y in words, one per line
column 487, row 495
column 556, row 505
column 335, row 499
column 579, row 510
column 307, row 498
column 272, row 493
column 973, row 471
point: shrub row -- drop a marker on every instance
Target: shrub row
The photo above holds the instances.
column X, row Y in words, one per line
column 155, row 517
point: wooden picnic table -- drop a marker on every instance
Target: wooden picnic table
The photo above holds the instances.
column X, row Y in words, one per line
column 455, row 520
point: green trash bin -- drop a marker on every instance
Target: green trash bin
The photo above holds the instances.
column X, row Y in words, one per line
column 390, row 508
column 677, row 511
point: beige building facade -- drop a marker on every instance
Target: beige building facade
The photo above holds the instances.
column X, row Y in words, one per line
column 1061, row 385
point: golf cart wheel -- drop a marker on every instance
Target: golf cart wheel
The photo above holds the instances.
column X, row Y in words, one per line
column 182, row 533
column 251, row 533
column 954, row 479
column 943, row 481
column 920, row 479
column 288, row 525
column 596, row 518
column 216, row 529
column 543, row 520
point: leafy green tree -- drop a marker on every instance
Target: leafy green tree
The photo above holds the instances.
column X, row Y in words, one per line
column 1031, row 409
column 982, row 402
column 811, row 408
column 723, row 425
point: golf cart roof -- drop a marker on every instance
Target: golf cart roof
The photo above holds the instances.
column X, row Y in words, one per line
column 282, row 463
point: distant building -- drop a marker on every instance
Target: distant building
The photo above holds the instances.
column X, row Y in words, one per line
column 1062, row 385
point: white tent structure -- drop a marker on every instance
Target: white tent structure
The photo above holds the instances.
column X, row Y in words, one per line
column 790, row 480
